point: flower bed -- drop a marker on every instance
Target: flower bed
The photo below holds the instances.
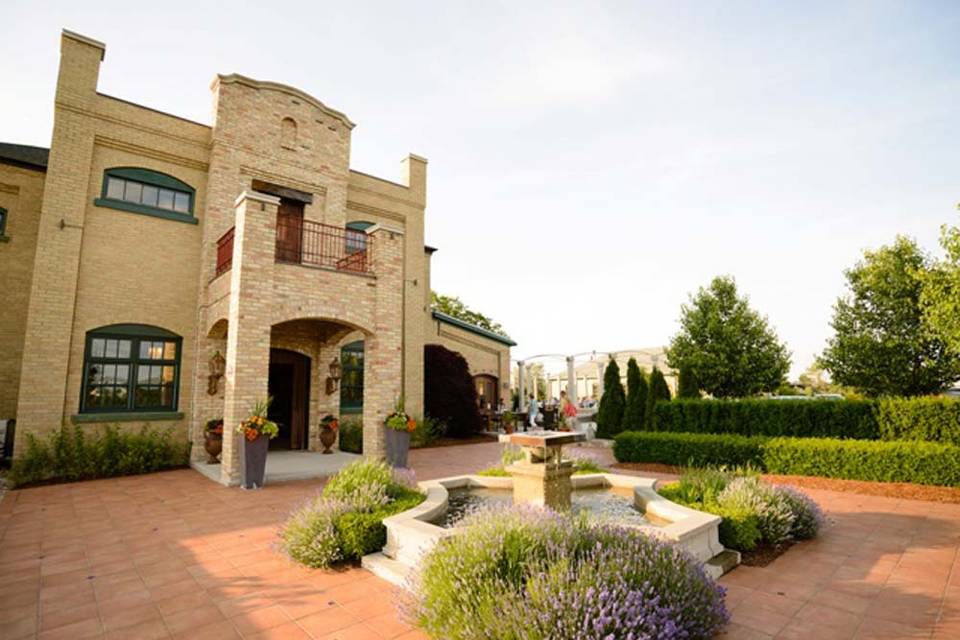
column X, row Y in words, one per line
column 345, row 522
column 754, row 513
column 534, row 574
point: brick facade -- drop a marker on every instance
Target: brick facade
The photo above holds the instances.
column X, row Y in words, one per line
column 81, row 265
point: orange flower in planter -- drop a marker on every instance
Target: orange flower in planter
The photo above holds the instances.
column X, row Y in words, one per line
column 411, row 425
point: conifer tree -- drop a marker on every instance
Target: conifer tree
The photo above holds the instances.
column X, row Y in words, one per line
column 688, row 387
column 658, row 391
column 636, row 398
column 612, row 403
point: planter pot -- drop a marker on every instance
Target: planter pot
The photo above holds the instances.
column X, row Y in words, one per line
column 254, row 462
column 327, row 437
column 398, row 446
column 213, row 443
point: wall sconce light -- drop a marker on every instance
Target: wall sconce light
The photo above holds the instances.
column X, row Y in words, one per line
column 333, row 380
column 217, row 366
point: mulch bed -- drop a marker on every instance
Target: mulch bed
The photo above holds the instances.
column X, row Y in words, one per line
column 764, row 554
column 903, row 490
column 480, row 438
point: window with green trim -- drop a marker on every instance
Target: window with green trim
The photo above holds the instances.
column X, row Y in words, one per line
column 130, row 367
column 3, row 222
column 351, row 376
column 357, row 236
column 148, row 192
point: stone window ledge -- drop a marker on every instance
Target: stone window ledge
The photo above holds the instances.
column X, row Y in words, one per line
column 129, row 416
column 156, row 212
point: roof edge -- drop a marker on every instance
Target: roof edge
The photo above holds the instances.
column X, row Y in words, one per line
column 472, row 328
column 236, row 78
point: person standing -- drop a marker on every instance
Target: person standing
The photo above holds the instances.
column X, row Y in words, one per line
column 532, row 410
column 568, row 411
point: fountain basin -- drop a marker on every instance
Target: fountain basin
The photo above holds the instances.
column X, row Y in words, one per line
column 413, row 532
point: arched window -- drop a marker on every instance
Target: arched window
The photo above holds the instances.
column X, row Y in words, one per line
column 351, row 376
column 130, row 367
column 148, row 192
column 357, row 236
column 288, row 133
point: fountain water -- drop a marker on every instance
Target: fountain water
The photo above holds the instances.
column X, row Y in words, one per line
column 542, row 476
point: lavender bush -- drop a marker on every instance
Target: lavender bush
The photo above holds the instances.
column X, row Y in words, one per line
column 309, row 536
column 769, row 505
column 807, row 516
column 530, row 574
column 346, row 521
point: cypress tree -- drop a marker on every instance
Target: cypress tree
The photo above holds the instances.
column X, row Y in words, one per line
column 636, row 398
column 688, row 387
column 612, row 403
column 658, row 391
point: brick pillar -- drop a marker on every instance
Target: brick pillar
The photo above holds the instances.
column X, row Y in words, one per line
column 42, row 402
column 382, row 358
column 248, row 334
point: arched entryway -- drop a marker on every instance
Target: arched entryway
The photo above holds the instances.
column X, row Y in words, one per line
column 289, row 386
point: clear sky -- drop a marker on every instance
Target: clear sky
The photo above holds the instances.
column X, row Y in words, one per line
column 591, row 164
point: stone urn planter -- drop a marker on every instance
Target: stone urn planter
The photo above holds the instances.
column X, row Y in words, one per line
column 328, row 432
column 213, row 440
column 257, row 432
column 399, row 426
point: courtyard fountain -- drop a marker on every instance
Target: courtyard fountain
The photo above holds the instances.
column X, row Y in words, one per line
column 544, row 478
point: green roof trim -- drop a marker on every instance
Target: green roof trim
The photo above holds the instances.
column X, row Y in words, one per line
column 472, row 328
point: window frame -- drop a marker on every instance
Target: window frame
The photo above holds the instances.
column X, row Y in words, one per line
column 136, row 334
column 148, row 178
column 4, row 216
column 357, row 346
column 356, row 236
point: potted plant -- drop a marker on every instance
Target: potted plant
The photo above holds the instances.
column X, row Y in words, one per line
column 328, row 432
column 213, row 439
column 399, row 427
column 257, row 432
column 509, row 421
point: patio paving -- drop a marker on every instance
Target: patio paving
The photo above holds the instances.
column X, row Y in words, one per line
column 175, row 555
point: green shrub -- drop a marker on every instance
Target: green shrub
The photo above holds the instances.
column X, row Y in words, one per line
column 688, row 387
column 657, row 393
column 739, row 528
column 687, row 449
column 930, row 419
column 750, row 495
column 427, row 432
column 880, row 461
column 309, row 536
column 351, row 435
column 496, row 471
column 71, row 453
column 698, row 489
column 359, row 533
column 797, row 418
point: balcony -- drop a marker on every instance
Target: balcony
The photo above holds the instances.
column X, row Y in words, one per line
column 312, row 244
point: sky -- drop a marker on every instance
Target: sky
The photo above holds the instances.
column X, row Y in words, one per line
column 591, row 164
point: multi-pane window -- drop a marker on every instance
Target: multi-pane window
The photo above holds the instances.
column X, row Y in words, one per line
column 351, row 375
column 130, row 368
column 147, row 195
column 148, row 192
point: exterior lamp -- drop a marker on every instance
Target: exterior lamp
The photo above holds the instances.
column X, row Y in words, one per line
column 217, row 366
column 333, row 380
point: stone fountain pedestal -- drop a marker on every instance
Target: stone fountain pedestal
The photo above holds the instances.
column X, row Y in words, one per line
column 542, row 477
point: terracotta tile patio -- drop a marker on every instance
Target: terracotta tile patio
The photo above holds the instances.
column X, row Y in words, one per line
column 175, row 555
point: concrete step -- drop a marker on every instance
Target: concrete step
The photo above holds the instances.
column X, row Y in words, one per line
column 393, row 571
column 723, row 562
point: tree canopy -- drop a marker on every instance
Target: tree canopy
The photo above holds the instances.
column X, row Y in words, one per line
column 882, row 344
column 453, row 306
column 941, row 291
column 731, row 347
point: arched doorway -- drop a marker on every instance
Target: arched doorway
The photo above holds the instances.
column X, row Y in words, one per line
column 289, row 386
column 487, row 392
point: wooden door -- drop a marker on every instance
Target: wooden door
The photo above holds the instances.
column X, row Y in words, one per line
column 289, row 231
column 289, row 383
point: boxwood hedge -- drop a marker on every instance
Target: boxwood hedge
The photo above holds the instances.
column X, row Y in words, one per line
column 690, row 449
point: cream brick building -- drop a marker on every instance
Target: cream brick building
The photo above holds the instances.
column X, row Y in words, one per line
column 142, row 245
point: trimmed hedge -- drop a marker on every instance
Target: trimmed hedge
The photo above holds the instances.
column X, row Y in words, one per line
column 919, row 462
column 931, row 419
column 687, row 449
column 934, row 419
column 797, row 418
column 880, row 461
